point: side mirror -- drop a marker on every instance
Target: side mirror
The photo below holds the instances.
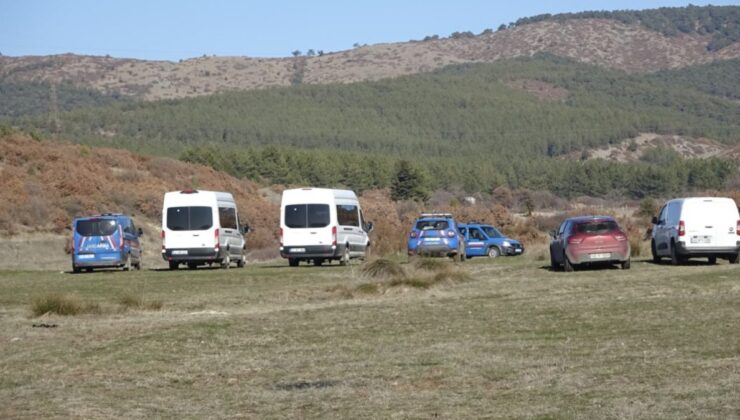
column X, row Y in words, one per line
column 553, row 234
column 369, row 227
column 140, row 232
column 245, row 229
column 655, row 220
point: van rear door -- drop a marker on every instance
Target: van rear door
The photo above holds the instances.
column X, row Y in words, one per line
column 97, row 239
column 307, row 225
column 710, row 223
column 189, row 227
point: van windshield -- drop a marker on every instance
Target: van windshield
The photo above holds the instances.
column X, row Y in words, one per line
column 189, row 218
column 96, row 227
column 298, row 216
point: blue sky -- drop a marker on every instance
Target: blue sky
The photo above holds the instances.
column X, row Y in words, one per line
column 172, row 30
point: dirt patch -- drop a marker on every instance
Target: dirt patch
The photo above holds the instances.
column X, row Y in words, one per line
column 630, row 150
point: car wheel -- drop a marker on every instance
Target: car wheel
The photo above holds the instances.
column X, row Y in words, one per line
column 734, row 259
column 626, row 264
column 75, row 269
column 226, row 262
column 654, row 251
column 173, row 265
column 138, row 265
column 567, row 266
column 241, row 262
column 674, row 255
column 493, row 252
column 317, row 262
column 712, row 260
column 293, row 262
column 344, row 260
column 554, row 266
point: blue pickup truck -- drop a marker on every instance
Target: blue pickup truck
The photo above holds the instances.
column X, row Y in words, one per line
column 483, row 240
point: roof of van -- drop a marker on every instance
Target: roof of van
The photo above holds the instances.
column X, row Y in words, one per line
column 322, row 193
column 702, row 199
column 197, row 195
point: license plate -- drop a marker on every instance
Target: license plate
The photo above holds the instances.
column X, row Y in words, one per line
column 297, row 250
column 180, row 252
column 600, row 256
column 85, row 256
column 518, row 251
column 431, row 239
column 701, row 239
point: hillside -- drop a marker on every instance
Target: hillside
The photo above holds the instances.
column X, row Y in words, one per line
column 474, row 126
column 635, row 44
column 46, row 184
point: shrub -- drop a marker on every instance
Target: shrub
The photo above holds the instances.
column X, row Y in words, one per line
column 430, row 264
column 383, row 268
column 63, row 305
column 129, row 300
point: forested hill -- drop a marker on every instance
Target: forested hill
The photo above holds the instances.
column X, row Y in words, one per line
column 634, row 41
column 473, row 125
column 721, row 22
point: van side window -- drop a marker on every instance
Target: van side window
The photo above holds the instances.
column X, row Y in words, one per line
column 347, row 215
column 227, row 216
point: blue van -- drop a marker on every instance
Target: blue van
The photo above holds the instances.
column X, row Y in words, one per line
column 483, row 240
column 105, row 241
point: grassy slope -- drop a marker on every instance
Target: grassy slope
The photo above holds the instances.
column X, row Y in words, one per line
column 517, row 341
column 462, row 111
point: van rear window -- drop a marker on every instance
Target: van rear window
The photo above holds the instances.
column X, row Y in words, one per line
column 98, row 227
column 189, row 218
column 298, row 216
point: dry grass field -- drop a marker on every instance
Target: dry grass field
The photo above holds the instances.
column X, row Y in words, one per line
column 500, row 338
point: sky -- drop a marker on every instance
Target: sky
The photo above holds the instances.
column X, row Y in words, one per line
column 181, row 29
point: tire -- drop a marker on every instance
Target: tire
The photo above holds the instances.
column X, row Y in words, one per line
column 127, row 264
column 734, row 259
column 493, row 252
column 626, row 264
column 226, row 262
column 138, row 266
column 76, row 269
column 344, row 260
column 674, row 256
column 241, row 262
column 317, row 262
column 554, row 266
column 567, row 266
column 173, row 265
column 712, row 260
column 293, row 262
column 654, row 251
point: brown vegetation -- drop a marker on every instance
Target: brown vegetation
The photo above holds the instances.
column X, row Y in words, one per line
column 603, row 42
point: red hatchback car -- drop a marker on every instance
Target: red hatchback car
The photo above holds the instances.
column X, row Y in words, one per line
column 589, row 240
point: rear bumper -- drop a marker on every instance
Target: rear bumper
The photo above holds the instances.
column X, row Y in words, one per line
column 688, row 251
column 594, row 256
column 190, row 254
column 433, row 250
column 311, row 251
column 108, row 260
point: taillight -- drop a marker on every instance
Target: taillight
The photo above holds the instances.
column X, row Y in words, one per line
column 450, row 233
column 620, row 237
column 215, row 236
column 162, row 240
column 575, row 240
column 412, row 235
column 737, row 228
column 334, row 235
column 280, row 235
column 120, row 234
column 681, row 228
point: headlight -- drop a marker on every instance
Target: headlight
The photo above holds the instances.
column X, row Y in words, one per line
column 506, row 244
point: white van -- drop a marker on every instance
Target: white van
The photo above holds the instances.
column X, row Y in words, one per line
column 321, row 224
column 202, row 227
column 697, row 227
